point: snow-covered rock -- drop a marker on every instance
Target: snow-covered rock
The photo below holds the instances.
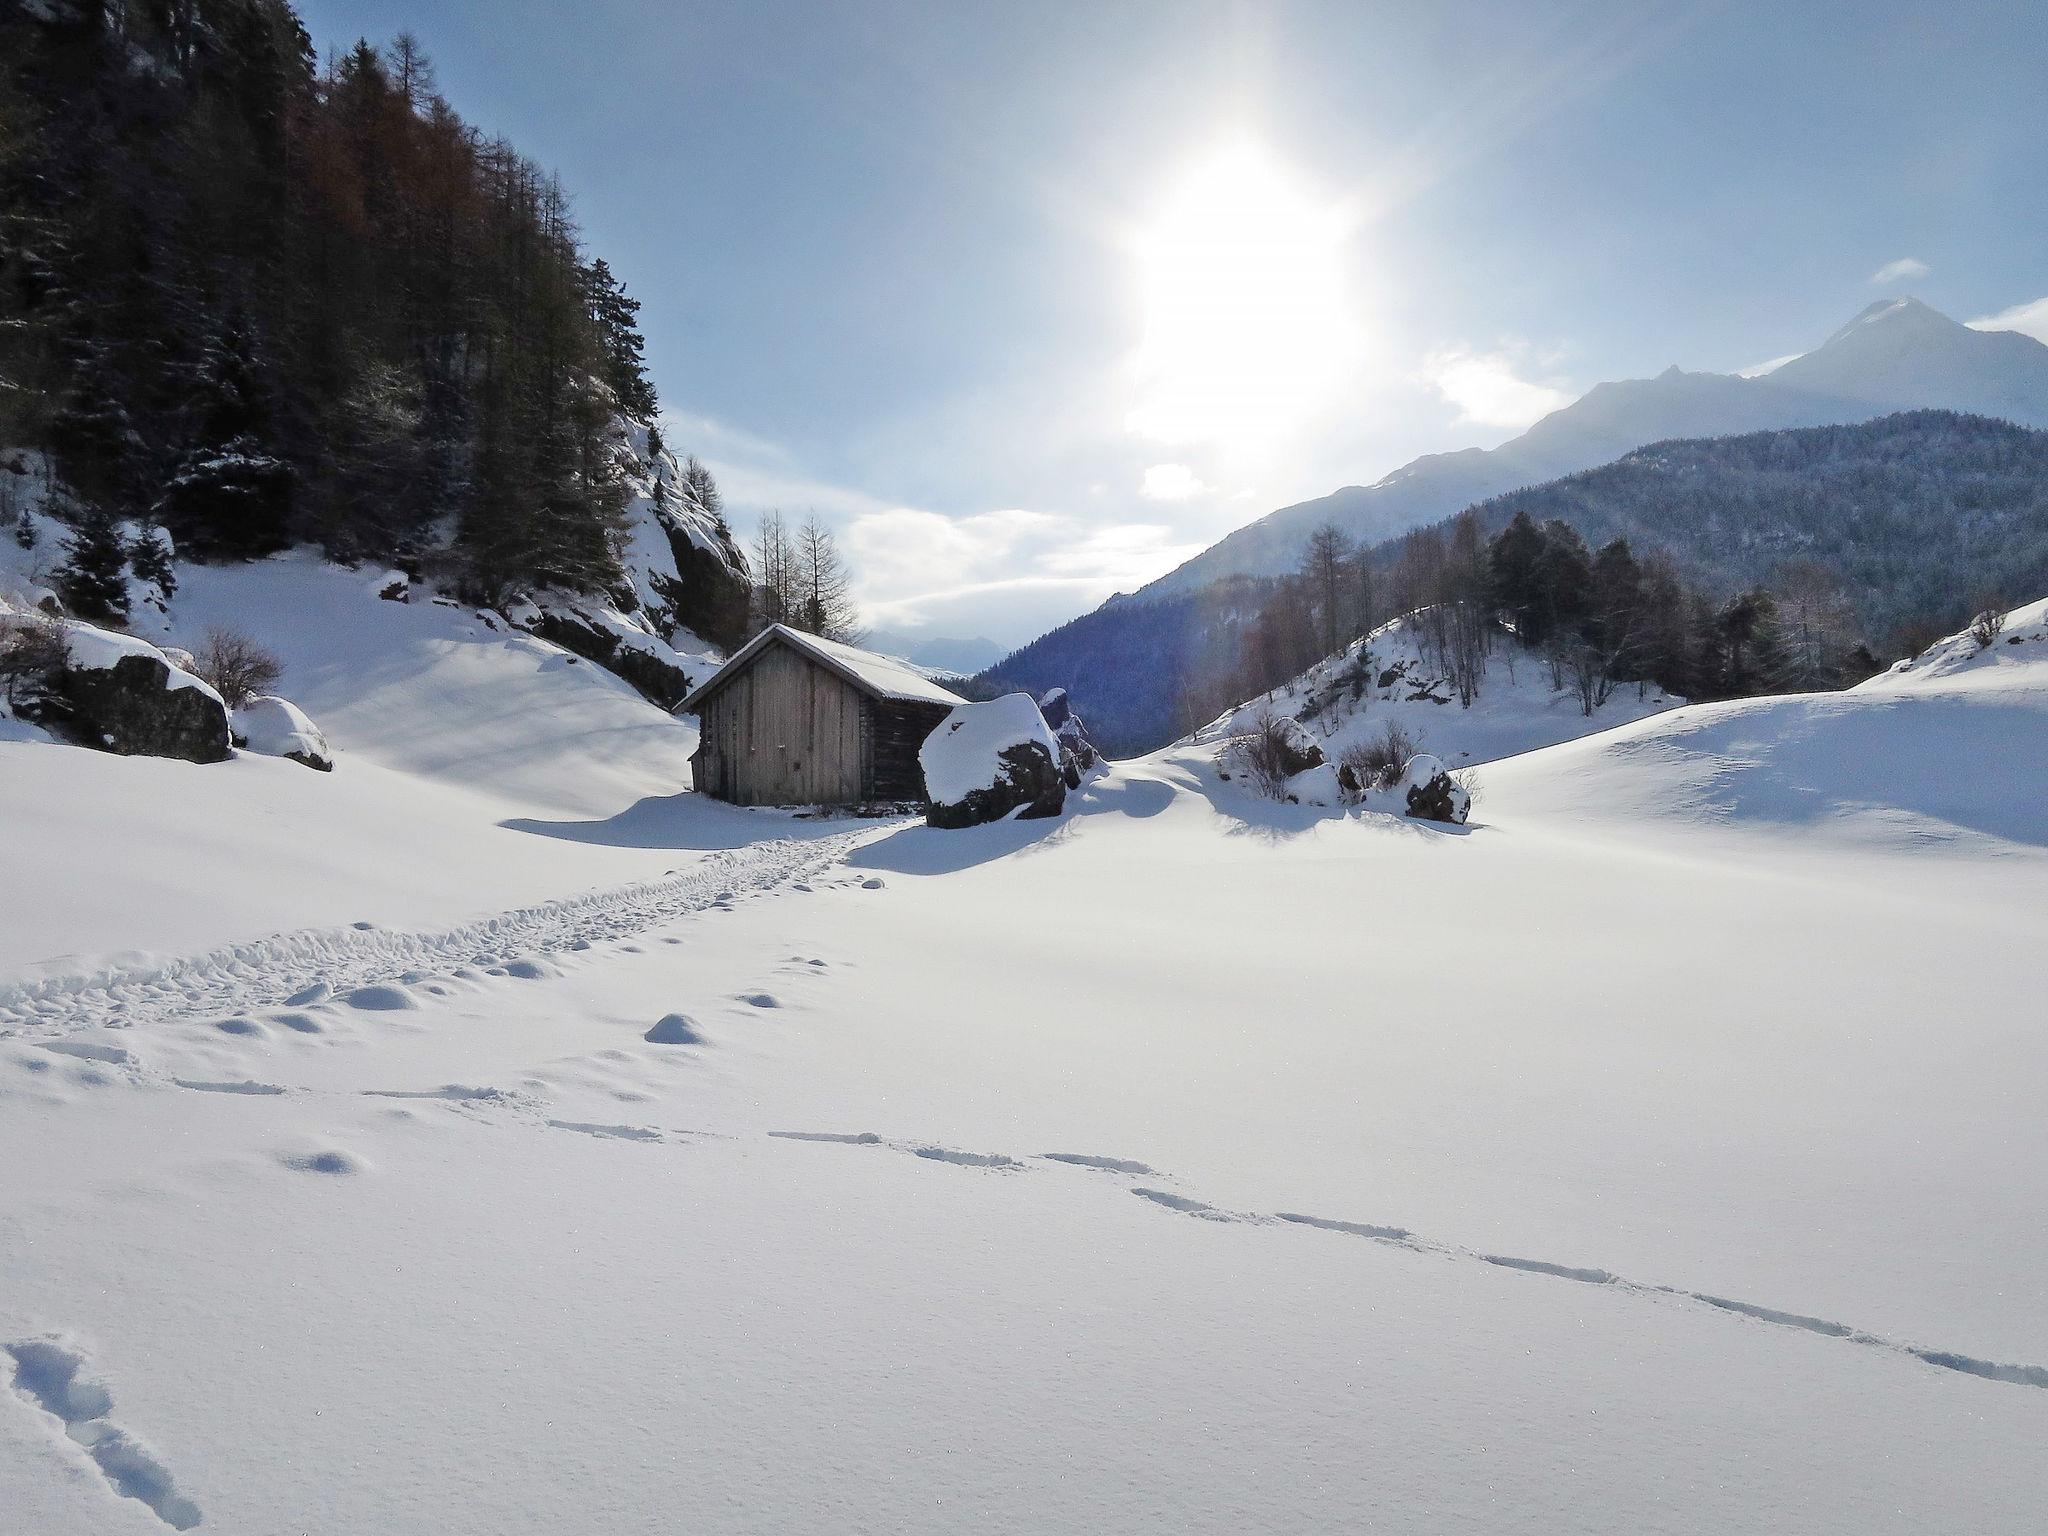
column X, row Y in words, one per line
column 125, row 695
column 1431, row 793
column 986, row 761
column 685, row 569
column 274, row 727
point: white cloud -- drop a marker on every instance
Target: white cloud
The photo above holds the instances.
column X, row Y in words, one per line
column 1487, row 387
column 1907, row 269
column 2031, row 319
column 1170, row 482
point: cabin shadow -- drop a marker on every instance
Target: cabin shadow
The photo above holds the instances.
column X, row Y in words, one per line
column 682, row 821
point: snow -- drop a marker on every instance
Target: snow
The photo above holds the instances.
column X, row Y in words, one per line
column 1659, row 1152
column 277, row 727
column 885, row 676
column 961, row 754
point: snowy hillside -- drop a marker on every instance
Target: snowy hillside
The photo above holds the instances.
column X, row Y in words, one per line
column 1341, row 1163
column 1942, row 752
column 1396, row 677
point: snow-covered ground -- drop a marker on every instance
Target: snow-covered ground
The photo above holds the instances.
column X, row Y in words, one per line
column 1660, row 1152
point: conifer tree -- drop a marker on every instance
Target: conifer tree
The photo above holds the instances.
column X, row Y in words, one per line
column 93, row 579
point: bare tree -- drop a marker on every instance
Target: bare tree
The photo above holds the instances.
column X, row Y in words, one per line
column 1327, row 573
column 237, row 666
column 823, row 587
column 775, row 566
column 1987, row 627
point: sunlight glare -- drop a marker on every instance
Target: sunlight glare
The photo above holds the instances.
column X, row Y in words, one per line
column 1246, row 319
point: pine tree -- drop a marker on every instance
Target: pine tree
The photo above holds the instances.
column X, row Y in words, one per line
column 25, row 530
column 229, row 493
column 149, row 556
column 615, row 314
column 93, row 579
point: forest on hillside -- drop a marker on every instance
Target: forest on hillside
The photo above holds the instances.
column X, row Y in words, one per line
column 259, row 300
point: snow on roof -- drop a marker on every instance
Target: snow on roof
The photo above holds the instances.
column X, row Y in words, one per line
column 886, row 677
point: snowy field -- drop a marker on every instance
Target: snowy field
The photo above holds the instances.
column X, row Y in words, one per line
column 1661, row 1152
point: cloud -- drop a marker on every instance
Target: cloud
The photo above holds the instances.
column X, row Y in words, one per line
column 1170, row 482
column 1907, row 269
column 1010, row 572
column 1487, row 387
column 2030, row 319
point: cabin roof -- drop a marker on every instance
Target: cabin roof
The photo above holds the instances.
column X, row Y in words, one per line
column 880, row 677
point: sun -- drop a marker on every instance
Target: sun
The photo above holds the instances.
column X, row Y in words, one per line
column 1245, row 315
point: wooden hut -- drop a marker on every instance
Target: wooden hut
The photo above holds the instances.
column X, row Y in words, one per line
column 795, row 720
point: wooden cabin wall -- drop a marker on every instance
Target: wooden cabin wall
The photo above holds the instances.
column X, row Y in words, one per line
column 899, row 727
column 783, row 732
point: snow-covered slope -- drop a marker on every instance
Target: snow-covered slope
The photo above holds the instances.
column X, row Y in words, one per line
column 1180, row 1163
column 1395, row 676
column 1944, row 751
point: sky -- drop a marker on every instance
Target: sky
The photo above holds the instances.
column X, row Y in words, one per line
column 1031, row 302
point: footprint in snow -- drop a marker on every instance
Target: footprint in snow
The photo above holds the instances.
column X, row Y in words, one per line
column 609, row 1132
column 760, row 999
column 1106, row 1164
column 307, row 997
column 966, row 1159
column 247, row 1028
column 51, row 1373
column 299, row 1023
column 246, row 1086
column 327, row 1160
column 843, row 1138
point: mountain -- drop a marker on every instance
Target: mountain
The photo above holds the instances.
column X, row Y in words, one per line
column 1920, row 518
column 1923, row 517
column 1897, row 355
column 940, row 653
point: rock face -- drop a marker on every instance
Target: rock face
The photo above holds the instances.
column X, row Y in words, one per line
column 125, row 695
column 986, row 761
column 1433, row 795
column 277, row 727
column 1077, row 752
column 640, row 659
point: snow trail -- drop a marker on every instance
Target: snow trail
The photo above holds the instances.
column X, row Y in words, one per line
column 377, row 965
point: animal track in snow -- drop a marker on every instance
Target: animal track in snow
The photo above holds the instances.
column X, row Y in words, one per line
column 1401, row 1237
column 330, row 1161
column 49, row 1372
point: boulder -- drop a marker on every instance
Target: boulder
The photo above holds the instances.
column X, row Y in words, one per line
column 1433, row 795
column 990, row 760
column 1057, row 708
column 125, row 695
column 277, row 727
column 1298, row 751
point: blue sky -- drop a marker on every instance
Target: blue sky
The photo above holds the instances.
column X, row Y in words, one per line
column 1032, row 301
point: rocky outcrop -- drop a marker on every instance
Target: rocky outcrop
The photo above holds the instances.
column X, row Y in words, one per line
column 1077, row 752
column 1432, row 794
column 123, row 694
column 1295, row 750
column 992, row 760
column 641, row 659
